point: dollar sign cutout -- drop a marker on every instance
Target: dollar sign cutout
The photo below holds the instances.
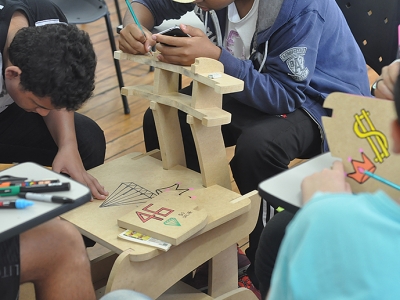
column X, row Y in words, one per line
column 376, row 139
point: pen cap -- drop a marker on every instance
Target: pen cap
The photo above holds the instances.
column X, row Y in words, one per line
column 22, row 203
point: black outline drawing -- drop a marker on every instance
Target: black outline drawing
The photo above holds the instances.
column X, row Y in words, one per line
column 131, row 193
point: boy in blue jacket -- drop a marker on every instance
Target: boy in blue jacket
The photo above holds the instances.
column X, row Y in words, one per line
column 290, row 55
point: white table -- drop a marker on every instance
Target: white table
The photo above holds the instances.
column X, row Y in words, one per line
column 284, row 189
column 16, row 221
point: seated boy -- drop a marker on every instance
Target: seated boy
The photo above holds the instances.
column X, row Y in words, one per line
column 48, row 70
column 275, row 229
column 341, row 245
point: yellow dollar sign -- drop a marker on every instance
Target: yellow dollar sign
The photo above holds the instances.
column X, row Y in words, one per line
column 375, row 138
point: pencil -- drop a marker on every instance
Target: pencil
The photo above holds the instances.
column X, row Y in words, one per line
column 128, row 3
column 379, row 178
column 134, row 16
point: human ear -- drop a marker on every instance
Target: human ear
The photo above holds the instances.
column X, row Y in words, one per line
column 396, row 136
column 12, row 72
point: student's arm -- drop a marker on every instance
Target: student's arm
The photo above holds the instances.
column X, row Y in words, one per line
column 62, row 128
column 386, row 81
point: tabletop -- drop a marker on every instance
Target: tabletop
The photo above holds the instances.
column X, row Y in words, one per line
column 284, row 189
column 16, row 221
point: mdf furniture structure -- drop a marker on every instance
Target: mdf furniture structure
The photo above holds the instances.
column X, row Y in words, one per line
column 137, row 178
column 88, row 11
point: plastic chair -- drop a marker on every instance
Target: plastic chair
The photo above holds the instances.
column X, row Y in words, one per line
column 118, row 11
column 374, row 26
column 88, row 11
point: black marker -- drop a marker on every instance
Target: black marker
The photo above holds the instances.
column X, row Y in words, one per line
column 38, row 188
column 45, row 198
column 46, row 188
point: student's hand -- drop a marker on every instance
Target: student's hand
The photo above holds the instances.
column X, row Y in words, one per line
column 132, row 41
column 186, row 49
column 330, row 181
column 385, row 87
column 68, row 161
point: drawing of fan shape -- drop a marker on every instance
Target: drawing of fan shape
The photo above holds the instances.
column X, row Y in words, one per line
column 128, row 193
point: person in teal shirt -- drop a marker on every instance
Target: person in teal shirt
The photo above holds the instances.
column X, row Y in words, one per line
column 341, row 245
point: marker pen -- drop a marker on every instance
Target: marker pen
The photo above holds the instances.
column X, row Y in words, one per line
column 9, row 191
column 46, row 188
column 19, row 203
column 45, row 198
column 28, row 182
column 39, row 188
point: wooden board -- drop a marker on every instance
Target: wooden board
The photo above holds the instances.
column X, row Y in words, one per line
column 223, row 85
column 169, row 218
column 134, row 179
column 359, row 132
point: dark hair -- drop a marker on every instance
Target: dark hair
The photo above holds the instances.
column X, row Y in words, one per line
column 397, row 97
column 57, row 61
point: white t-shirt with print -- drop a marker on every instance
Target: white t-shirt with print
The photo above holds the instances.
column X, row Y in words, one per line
column 239, row 32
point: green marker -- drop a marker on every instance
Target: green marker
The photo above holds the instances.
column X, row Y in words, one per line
column 9, row 191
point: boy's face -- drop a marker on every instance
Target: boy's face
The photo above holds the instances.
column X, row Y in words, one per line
column 25, row 99
column 207, row 5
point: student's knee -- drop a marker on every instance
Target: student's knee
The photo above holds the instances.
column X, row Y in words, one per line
column 255, row 149
column 68, row 247
column 251, row 152
column 68, row 240
column 50, row 244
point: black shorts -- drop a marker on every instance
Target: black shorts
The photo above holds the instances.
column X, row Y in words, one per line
column 9, row 269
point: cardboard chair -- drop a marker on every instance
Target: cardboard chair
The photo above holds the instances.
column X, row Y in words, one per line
column 197, row 213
